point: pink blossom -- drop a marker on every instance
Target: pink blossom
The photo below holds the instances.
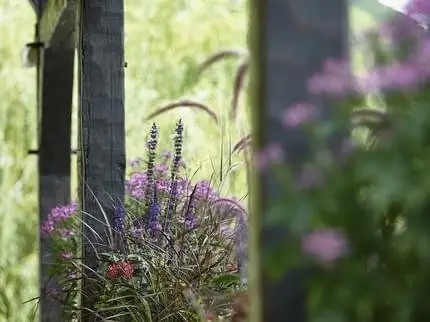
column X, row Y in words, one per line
column 401, row 76
column 268, row 155
column 400, row 28
column 333, row 85
column 325, row 245
column 66, row 255
column 161, row 169
column 397, row 76
column 66, row 233
column 57, row 215
column 335, row 79
column 298, row 114
column 421, row 7
column 47, row 227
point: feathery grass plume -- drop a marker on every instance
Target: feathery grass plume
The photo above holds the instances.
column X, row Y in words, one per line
column 184, row 103
column 151, row 146
column 173, row 198
column 221, row 55
column 242, row 144
column 240, row 73
column 374, row 119
column 237, row 87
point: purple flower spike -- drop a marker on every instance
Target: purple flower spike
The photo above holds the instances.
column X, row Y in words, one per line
column 153, row 217
column 118, row 218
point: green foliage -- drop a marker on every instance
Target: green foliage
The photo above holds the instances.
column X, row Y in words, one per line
column 165, row 42
column 359, row 214
column 172, row 235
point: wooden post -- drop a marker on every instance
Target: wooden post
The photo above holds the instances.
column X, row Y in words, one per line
column 55, row 91
column 101, row 130
column 290, row 41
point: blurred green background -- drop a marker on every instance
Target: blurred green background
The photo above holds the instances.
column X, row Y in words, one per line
column 165, row 41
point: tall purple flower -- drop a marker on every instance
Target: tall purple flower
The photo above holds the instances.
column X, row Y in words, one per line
column 154, row 215
column 118, row 218
column 152, row 146
column 173, row 193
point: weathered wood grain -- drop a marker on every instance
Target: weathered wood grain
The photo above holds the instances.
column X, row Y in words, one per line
column 289, row 41
column 55, row 92
column 102, row 131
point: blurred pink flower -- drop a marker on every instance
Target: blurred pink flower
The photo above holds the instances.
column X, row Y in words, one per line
column 66, row 255
column 298, row 114
column 421, row 7
column 335, row 79
column 325, row 245
column 268, row 155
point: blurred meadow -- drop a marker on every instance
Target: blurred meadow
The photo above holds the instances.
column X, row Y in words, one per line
column 165, row 41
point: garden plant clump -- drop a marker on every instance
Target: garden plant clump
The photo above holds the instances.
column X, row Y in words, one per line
column 178, row 252
column 358, row 209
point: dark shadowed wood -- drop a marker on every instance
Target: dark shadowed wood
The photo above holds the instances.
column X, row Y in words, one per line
column 102, row 131
column 55, row 101
column 290, row 40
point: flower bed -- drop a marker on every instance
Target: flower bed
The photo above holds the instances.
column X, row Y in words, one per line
column 179, row 250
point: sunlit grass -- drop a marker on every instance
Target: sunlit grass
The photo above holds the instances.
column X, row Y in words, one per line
column 165, row 41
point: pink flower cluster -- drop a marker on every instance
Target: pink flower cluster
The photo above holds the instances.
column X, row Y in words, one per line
column 121, row 269
column 421, row 7
column 268, row 155
column 137, row 183
column 325, row 246
column 401, row 75
column 57, row 215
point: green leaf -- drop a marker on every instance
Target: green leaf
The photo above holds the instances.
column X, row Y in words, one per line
column 226, row 281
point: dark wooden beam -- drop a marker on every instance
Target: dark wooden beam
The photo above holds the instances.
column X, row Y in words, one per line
column 54, row 19
column 58, row 21
column 290, row 40
column 101, row 131
column 55, row 92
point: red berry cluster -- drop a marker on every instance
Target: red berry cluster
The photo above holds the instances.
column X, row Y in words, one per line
column 121, row 269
